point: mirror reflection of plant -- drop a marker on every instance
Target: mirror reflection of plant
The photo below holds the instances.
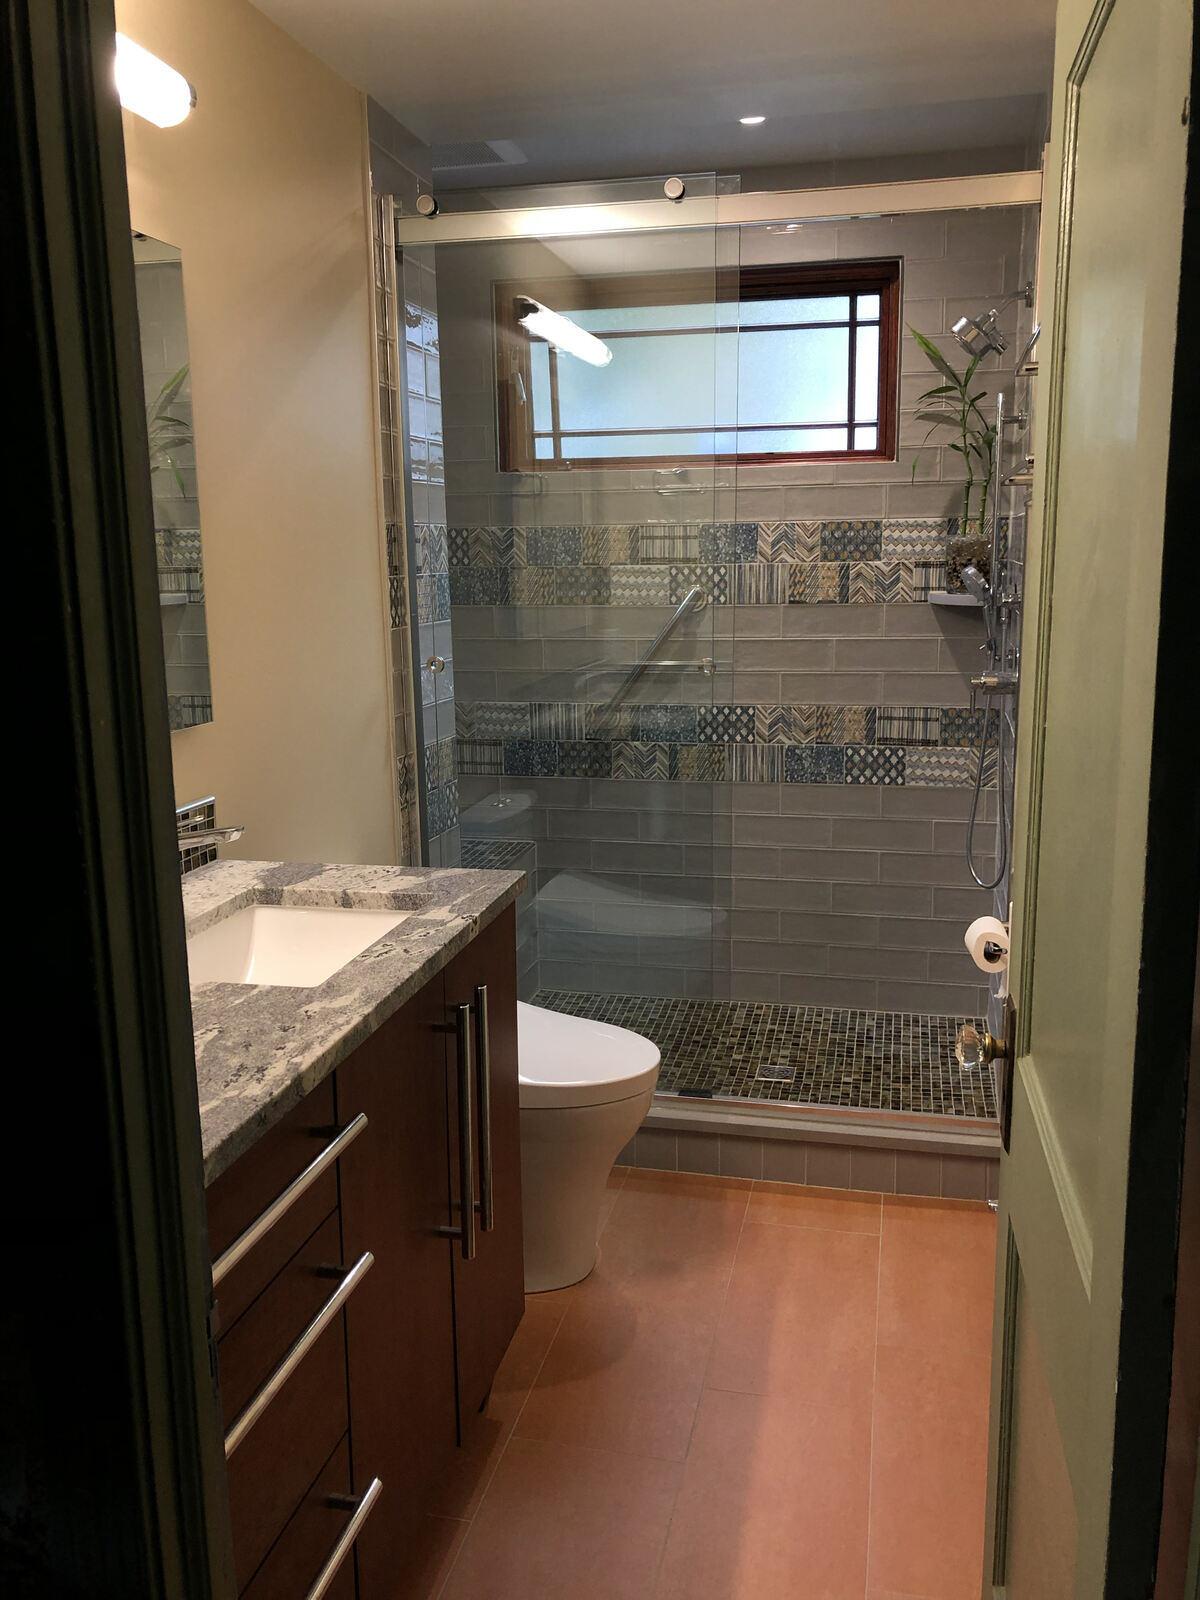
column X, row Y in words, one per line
column 958, row 409
column 166, row 434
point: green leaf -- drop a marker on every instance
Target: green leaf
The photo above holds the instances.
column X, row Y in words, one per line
column 935, row 356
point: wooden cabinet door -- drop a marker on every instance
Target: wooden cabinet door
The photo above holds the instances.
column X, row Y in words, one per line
column 400, row 1325
column 489, row 1291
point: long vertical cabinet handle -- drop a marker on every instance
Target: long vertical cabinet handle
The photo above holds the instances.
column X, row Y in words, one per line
column 466, row 1132
column 487, row 1201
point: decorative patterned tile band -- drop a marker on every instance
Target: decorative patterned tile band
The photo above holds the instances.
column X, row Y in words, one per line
column 873, row 562
column 916, row 746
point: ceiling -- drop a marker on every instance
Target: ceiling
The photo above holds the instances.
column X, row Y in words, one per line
column 629, row 88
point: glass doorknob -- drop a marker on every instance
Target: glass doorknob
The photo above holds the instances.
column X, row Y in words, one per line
column 974, row 1049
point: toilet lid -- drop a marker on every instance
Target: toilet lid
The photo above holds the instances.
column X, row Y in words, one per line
column 573, row 1061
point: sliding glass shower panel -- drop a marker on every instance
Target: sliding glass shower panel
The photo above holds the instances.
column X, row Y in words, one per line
column 588, row 544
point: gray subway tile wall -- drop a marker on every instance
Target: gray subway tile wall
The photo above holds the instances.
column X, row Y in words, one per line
column 823, row 754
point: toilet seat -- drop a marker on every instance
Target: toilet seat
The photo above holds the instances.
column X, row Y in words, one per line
column 573, row 1061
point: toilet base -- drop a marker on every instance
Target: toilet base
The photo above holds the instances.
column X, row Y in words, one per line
column 567, row 1153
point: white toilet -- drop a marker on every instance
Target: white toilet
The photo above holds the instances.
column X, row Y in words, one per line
column 585, row 1088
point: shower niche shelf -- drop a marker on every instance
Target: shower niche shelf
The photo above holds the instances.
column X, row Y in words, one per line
column 948, row 597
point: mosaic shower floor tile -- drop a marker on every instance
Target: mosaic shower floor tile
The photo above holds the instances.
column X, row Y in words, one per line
column 801, row 1055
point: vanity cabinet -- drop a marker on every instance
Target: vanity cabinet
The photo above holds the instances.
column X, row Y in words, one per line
column 355, row 1439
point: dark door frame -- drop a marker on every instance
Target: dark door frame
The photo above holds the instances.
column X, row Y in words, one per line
column 1156, row 1273
column 113, row 1484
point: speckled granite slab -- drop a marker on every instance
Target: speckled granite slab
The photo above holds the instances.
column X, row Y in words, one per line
column 260, row 1049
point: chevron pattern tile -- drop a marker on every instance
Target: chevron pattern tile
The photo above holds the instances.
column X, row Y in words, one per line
column 789, row 541
column 644, row 761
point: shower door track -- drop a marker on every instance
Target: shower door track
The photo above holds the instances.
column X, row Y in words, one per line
column 919, row 1132
column 724, row 210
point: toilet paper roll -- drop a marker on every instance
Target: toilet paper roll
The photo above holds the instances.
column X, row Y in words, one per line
column 987, row 944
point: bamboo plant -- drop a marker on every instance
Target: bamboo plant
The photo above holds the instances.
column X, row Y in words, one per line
column 952, row 405
column 165, row 434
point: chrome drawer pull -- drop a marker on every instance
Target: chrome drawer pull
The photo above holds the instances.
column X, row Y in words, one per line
column 228, row 1259
column 487, row 1203
column 342, row 1548
column 246, row 1419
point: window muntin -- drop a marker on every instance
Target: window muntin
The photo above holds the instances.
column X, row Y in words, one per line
column 795, row 363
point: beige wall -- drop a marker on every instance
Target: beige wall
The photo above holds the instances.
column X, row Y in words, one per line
column 264, row 189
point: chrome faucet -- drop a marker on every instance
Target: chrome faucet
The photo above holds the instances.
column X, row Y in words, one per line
column 206, row 836
column 195, row 826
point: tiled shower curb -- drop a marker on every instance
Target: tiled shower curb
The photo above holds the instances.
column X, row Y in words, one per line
column 889, row 1155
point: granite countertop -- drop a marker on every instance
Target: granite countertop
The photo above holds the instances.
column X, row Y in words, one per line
column 261, row 1048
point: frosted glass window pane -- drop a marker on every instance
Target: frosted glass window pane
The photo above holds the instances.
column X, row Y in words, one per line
column 865, row 439
column 649, row 319
column 639, row 445
column 543, row 449
column 790, row 441
column 866, row 376
column 801, row 376
column 648, row 382
column 868, row 308
column 539, row 361
column 813, row 308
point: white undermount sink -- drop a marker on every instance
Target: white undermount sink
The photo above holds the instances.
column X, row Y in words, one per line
column 292, row 946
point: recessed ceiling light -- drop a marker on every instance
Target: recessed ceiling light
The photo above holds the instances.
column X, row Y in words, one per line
column 751, row 122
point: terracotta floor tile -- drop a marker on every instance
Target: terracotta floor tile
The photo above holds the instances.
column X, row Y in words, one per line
column 623, row 1375
column 936, row 1274
column 929, row 1472
column 561, row 1523
column 773, row 1504
column 847, row 1210
column 462, row 1488
column 670, row 1241
column 430, row 1558
column 799, row 1316
column 616, row 1181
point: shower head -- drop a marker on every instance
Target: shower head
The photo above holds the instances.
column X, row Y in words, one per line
column 981, row 336
column 977, row 585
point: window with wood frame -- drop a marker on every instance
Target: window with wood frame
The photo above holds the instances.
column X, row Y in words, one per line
column 757, row 365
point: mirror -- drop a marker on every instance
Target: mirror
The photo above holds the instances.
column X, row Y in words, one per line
column 162, row 323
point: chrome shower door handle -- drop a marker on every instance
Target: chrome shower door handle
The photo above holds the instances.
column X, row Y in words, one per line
column 487, row 1202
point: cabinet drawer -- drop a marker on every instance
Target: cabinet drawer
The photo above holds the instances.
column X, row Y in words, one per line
column 253, row 1347
column 304, row 1546
column 240, row 1196
column 282, row 1454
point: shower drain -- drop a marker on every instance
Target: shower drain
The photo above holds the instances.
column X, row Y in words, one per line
column 779, row 1073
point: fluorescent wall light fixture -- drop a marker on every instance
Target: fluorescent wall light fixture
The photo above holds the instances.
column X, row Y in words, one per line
column 150, row 87
column 561, row 332
column 751, row 122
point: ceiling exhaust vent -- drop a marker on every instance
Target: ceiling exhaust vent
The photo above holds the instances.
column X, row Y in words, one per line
column 469, row 153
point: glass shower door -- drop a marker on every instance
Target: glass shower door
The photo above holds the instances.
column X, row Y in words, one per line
column 584, row 366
